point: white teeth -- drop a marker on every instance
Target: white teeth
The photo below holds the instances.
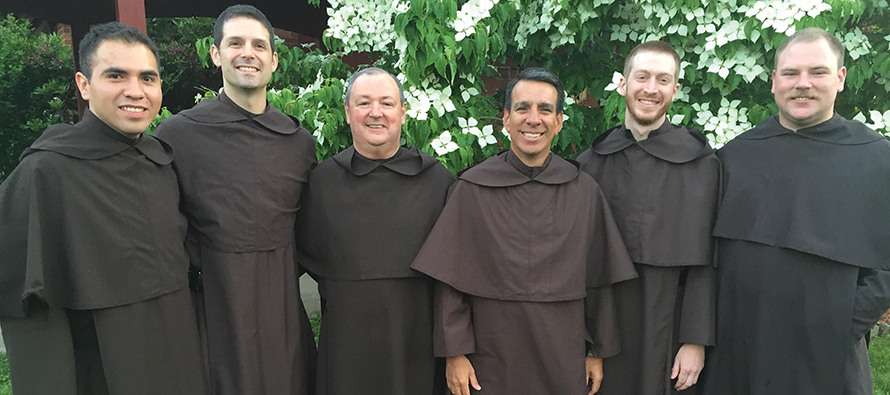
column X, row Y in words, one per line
column 133, row 109
column 801, row 98
column 647, row 101
column 375, row 126
column 247, row 68
column 532, row 135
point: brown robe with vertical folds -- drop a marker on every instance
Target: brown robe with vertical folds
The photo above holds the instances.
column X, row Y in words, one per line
column 663, row 192
column 361, row 224
column 804, row 263
column 241, row 176
column 525, row 257
column 93, row 273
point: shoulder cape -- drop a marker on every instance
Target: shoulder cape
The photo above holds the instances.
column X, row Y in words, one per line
column 662, row 190
column 507, row 236
column 821, row 190
column 90, row 220
column 363, row 219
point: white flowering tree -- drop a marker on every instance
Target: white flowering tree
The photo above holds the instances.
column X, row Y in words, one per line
column 442, row 49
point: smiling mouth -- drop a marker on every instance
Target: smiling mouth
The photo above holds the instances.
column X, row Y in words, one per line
column 532, row 135
column 803, row 98
column 375, row 126
column 133, row 109
column 249, row 69
column 648, row 102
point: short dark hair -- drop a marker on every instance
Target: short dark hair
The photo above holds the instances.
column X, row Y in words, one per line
column 111, row 31
column 245, row 11
column 811, row 34
column 372, row 71
column 536, row 74
column 660, row 47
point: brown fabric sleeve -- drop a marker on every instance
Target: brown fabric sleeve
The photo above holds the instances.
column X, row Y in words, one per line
column 452, row 323
column 602, row 322
column 698, row 311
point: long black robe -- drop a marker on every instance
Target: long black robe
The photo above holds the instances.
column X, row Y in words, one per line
column 361, row 224
column 93, row 279
column 525, row 256
column 241, row 176
column 663, row 192
column 804, row 259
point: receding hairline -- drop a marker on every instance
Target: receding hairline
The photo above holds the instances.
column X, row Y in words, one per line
column 811, row 35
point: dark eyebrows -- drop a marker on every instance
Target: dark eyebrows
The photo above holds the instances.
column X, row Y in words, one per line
column 118, row 70
column 542, row 105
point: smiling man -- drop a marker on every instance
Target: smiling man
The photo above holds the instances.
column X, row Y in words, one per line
column 365, row 214
column 524, row 252
column 93, row 280
column 242, row 166
column 661, row 181
column 804, row 263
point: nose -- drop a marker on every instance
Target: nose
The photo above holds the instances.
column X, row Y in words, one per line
column 534, row 117
column 247, row 52
column 133, row 88
column 803, row 81
column 650, row 85
column 375, row 110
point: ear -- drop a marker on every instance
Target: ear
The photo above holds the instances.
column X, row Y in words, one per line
column 83, row 85
column 506, row 117
column 772, row 89
column 674, row 95
column 214, row 54
column 404, row 112
column 346, row 109
column 841, row 76
column 559, row 117
column 274, row 61
column 622, row 86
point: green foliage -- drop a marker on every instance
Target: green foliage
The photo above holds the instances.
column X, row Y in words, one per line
column 5, row 385
column 36, row 75
column 181, row 70
column 879, row 354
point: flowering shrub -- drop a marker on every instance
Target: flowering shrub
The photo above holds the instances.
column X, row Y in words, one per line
column 441, row 49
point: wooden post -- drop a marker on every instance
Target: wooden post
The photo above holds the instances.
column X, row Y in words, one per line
column 131, row 12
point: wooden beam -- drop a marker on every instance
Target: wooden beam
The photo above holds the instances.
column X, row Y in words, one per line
column 131, row 12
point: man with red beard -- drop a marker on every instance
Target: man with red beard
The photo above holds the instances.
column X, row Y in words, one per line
column 661, row 181
column 802, row 233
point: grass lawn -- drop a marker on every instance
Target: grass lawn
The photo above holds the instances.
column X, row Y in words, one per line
column 879, row 353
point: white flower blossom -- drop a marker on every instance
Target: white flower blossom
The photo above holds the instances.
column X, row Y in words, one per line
column 443, row 144
column 616, row 82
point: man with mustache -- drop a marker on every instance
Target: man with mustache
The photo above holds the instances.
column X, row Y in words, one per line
column 661, row 181
column 804, row 262
column 242, row 165
column 525, row 251
column 93, row 273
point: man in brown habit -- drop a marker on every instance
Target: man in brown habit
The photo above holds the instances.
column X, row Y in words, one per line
column 364, row 216
column 525, row 251
column 93, row 280
column 804, row 262
column 242, row 165
column 661, row 181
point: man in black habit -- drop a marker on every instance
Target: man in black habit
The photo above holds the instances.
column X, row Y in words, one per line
column 661, row 181
column 242, row 166
column 525, row 251
column 93, row 280
column 802, row 234
column 364, row 216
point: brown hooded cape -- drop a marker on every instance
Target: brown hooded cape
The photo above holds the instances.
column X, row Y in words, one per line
column 525, row 256
column 93, row 263
column 241, row 176
column 361, row 224
column 804, row 259
column 663, row 192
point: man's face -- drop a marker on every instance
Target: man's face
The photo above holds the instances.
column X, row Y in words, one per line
column 805, row 84
column 246, row 56
column 532, row 121
column 649, row 88
column 125, row 88
column 375, row 115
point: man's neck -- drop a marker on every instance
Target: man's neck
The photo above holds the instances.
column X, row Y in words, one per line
column 253, row 101
column 641, row 132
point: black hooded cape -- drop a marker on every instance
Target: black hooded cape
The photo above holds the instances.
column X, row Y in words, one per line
column 803, row 261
